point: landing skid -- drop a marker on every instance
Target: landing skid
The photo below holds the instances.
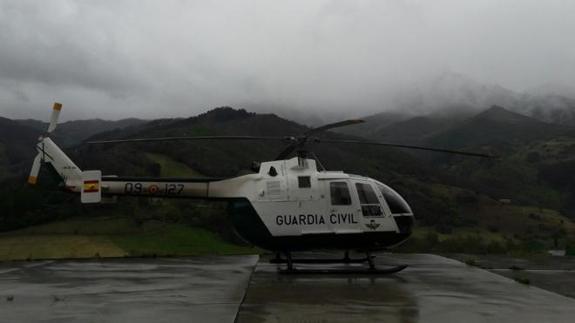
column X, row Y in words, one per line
column 371, row 270
column 367, row 271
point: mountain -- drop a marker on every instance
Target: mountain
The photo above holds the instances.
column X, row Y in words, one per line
column 550, row 108
column 71, row 133
column 16, row 147
column 452, row 90
column 224, row 158
column 445, row 192
column 530, row 153
column 534, row 156
column 417, row 129
column 452, row 94
column 374, row 123
column 496, row 128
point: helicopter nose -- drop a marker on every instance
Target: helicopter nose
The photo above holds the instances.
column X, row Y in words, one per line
column 404, row 223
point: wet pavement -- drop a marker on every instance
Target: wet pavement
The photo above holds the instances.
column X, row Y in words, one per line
column 556, row 274
column 219, row 289
column 202, row 289
column 431, row 289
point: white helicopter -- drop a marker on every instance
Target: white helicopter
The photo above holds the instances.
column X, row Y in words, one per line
column 287, row 205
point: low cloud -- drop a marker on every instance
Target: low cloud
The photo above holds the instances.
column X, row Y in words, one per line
column 124, row 58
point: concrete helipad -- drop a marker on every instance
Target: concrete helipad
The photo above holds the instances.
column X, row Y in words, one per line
column 133, row 290
column 224, row 289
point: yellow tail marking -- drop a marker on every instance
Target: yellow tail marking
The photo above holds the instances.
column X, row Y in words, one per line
column 32, row 180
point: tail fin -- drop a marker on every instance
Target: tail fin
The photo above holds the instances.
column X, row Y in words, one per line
column 50, row 153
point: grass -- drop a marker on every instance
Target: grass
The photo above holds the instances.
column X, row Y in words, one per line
column 57, row 246
column 422, row 232
column 112, row 237
column 176, row 240
column 522, row 280
column 172, row 168
column 471, row 262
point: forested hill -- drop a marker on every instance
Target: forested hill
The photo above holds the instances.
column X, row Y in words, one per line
column 446, row 192
column 71, row 133
column 228, row 158
column 16, row 147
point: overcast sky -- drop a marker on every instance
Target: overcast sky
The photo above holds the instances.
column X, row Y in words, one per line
column 119, row 58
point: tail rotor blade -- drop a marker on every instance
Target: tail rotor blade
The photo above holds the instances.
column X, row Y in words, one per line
column 54, row 118
column 33, row 178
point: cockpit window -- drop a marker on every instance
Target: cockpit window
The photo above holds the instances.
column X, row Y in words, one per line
column 339, row 193
column 396, row 203
column 304, row 181
column 366, row 194
column 368, row 200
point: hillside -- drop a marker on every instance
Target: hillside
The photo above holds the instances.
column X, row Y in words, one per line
column 217, row 158
column 16, row 147
column 71, row 133
column 374, row 124
column 112, row 236
column 497, row 128
column 531, row 153
column 534, row 156
column 451, row 194
column 414, row 130
column 550, row 108
column 451, row 94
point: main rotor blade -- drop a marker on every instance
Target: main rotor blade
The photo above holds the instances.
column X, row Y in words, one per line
column 301, row 140
column 54, row 117
column 98, row 142
column 288, row 150
column 376, row 143
column 333, row 125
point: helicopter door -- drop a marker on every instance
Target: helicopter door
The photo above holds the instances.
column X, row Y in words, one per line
column 343, row 216
column 370, row 207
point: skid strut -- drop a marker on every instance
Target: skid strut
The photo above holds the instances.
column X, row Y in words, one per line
column 372, row 269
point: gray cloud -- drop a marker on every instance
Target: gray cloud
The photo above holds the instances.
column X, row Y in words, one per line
column 123, row 58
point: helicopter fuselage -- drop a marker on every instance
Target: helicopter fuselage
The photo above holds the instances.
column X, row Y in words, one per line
column 287, row 206
column 290, row 205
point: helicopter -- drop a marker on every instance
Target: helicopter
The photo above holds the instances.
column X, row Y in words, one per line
column 286, row 205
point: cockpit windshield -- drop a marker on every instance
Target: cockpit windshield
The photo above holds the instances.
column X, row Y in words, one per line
column 368, row 200
column 396, row 203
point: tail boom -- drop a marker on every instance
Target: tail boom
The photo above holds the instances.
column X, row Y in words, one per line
column 200, row 188
column 91, row 185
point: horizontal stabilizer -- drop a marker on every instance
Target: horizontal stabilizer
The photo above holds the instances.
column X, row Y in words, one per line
column 91, row 186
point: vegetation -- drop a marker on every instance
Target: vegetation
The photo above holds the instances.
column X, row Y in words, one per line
column 522, row 280
column 520, row 204
column 112, row 236
column 167, row 167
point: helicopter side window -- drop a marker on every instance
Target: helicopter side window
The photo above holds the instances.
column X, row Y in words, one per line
column 369, row 203
column 396, row 203
column 273, row 172
column 304, row 181
column 339, row 193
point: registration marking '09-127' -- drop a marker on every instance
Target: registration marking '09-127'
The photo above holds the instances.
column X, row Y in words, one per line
column 153, row 189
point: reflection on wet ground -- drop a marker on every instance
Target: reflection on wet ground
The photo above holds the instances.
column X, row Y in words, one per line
column 556, row 274
column 213, row 289
column 432, row 289
column 202, row 289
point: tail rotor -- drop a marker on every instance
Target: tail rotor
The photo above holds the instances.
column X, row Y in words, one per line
column 33, row 177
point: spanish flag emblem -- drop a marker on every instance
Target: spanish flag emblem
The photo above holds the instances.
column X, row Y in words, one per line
column 92, row 186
